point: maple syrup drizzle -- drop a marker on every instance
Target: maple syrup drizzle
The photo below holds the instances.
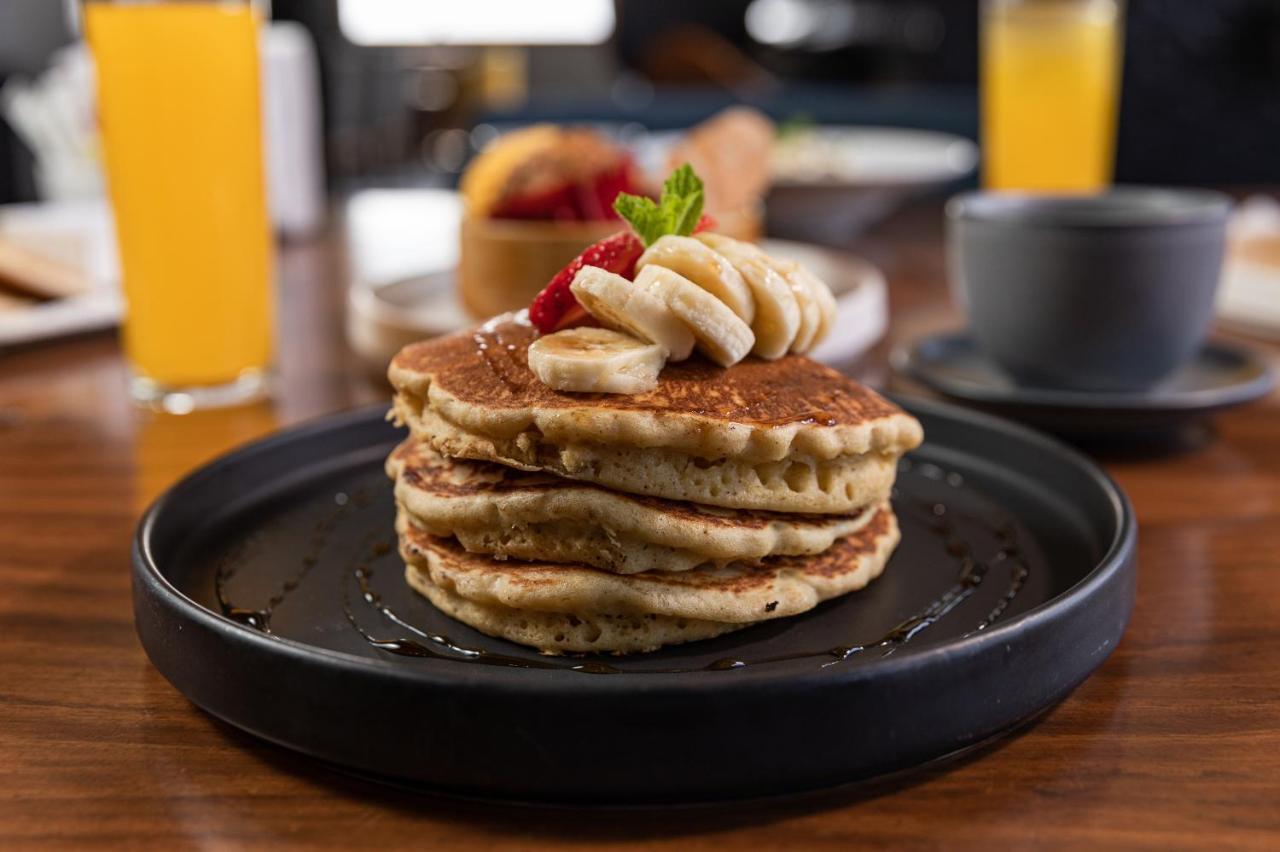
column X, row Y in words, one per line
column 260, row 619
column 498, row 355
column 438, row 646
column 937, row 517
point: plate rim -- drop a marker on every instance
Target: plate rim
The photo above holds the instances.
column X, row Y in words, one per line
column 1118, row 555
column 906, row 360
column 920, row 179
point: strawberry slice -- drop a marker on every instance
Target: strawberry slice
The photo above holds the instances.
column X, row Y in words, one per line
column 706, row 222
column 553, row 203
column 617, row 253
column 589, row 200
column 575, row 317
column 596, row 201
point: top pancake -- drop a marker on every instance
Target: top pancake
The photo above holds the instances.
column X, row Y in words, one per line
column 756, row 410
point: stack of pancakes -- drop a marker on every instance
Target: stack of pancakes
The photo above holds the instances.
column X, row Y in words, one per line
column 595, row 522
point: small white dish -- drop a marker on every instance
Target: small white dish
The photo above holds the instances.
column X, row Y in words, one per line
column 384, row 318
column 1249, row 298
column 77, row 234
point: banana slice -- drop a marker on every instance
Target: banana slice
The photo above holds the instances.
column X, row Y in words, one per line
column 777, row 317
column 619, row 304
column 821, row 294
column 806, row 288
column 596, row 360
column 722, row 336
column 701, row 264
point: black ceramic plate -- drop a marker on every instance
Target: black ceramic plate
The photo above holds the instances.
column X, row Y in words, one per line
column 1219, row 377
column 1013, row 582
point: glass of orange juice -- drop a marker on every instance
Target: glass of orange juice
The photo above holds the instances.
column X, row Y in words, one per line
column 1050, row 74
column 178, row 106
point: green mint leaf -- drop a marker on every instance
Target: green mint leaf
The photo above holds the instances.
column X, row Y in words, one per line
column 677, row 213
column 686, row 215
column 645, row 218
column 683, row 182
column 682, row 199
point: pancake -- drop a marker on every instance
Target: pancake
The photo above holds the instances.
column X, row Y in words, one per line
column 757, row 410
column 510, row 599
column 506, row 512
column 787, row 436
column 838, row 486
column 559, row 633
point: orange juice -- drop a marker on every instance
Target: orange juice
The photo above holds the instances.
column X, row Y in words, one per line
column 181, row 130
column 1050, row 82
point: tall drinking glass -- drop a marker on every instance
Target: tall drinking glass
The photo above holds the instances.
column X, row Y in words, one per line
column 1050, row 92
column 178, row 104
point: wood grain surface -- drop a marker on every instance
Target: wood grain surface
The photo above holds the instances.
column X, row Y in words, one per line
column 1175, row 742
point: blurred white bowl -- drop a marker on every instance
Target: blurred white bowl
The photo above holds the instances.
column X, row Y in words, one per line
column 831, row 182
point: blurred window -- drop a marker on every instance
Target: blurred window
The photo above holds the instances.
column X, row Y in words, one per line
column 483, row 22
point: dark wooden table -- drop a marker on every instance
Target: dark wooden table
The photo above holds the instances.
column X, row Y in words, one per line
column 1174, row 742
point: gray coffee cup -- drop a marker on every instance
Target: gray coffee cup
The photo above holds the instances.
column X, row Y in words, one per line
column 1110, row 292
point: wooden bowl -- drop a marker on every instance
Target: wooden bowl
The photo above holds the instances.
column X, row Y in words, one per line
column 503, row 263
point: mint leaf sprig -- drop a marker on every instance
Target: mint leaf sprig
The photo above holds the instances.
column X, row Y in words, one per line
column 676, row 212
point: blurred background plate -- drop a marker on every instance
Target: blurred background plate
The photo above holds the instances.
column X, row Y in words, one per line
column 859, row 157
column 65, row 247
column 1249, row 300
column 383, row 317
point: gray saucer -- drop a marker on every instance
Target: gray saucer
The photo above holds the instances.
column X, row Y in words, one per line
column 1219, row 376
